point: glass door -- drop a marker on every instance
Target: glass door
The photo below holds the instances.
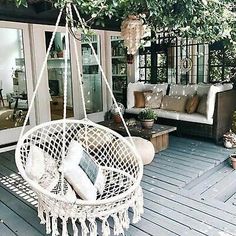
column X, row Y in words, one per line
column 15, row 80
column 56, row 75
column 93, row 86
column 51, row 90
column 52, row 86
column 119, row 68
column 92, row 80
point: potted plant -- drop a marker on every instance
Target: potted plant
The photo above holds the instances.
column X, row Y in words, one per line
column 233, row 160
column 116, row 111
column 147, row 117
column 59, row 51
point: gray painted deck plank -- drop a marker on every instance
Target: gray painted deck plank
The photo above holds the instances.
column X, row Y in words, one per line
column 211, row 180
column 177, row 152
column 189, row 217
column 15, row 222
column 217, row 190
column 232, row 199
column 5, row 231
column 27, row 213
column 200, row 153
column 158, row 215
column 197, row 164
column 173, row 168
column 176, row 164
column 167, row 179
column 194, row 204
column 198, row 145
column 200, row 150
column 172, row 174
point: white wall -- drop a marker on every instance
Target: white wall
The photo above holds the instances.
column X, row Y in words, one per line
column 10, row 43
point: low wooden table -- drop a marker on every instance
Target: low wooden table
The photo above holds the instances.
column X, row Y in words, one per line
column 158, row 135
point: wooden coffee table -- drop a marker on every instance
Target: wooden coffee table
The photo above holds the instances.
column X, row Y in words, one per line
column 158, row 135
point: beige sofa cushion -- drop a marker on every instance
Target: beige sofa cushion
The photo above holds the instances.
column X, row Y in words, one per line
column 130, row 92
column 202, row 106
column 192, row 104
column 139, row 99
column 174, row 103
column 157, row 87
column 153, row 100
column 179, row 89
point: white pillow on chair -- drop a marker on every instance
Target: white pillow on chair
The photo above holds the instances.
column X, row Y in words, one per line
column 82, row 172
column 35, row 165
column 42, row 168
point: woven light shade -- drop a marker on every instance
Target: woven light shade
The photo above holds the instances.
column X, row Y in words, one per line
column 132, row 30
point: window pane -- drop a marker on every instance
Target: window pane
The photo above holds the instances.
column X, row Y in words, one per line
column 56, row 75
column 13, row 90
column 92, row 80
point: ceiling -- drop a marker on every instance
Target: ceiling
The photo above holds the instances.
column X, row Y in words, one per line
column 41, row 13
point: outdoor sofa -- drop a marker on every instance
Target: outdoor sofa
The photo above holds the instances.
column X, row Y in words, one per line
column 220, row 102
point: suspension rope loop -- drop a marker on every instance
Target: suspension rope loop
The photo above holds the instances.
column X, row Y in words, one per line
column 104, row 76
column 41, row 74
column 65, row 97
column 78, row 64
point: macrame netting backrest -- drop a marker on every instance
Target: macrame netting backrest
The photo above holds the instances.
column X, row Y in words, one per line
column 121, row 164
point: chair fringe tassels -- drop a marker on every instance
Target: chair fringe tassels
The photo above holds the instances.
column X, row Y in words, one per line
column 105, row 227
column 138, row 205
column 64, row 226
column 40, row 212
column 48, row 222
column 92, row 227
column 124, row 218
column 118, row 229
column 54, row 226
column 74, row 226
column 84, row 228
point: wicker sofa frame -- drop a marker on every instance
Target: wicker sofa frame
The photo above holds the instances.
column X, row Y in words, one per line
column 225, row 104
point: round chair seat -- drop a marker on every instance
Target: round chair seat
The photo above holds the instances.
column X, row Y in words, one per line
column 144, row 148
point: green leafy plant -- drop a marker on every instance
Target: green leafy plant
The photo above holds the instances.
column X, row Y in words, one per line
column 203, row 20
column 147, row 114
column 58, row 48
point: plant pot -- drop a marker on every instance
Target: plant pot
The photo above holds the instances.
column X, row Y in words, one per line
column 60, row 54
column 233, row 160
column 117, row 118
column 147, row 124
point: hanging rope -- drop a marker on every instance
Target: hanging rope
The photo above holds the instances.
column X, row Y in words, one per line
column 65, row 97
column 104, row 76
column 78, row 65
column 41, row 74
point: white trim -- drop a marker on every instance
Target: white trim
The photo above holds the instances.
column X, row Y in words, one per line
column 6, row 149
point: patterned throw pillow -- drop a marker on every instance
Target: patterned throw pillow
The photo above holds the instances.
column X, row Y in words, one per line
column 42, row 168
column 192, row 104
column 153, row 100
column 174, row 103
column 82, row 172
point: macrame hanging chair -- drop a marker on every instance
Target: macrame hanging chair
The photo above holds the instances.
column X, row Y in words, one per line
column 122, row 166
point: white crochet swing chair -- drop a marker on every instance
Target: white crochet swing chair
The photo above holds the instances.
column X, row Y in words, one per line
column 122, row 166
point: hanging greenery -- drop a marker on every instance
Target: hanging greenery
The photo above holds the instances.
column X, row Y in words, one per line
column 205, row 20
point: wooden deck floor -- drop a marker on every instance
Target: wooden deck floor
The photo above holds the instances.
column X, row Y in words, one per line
column 189, row 189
